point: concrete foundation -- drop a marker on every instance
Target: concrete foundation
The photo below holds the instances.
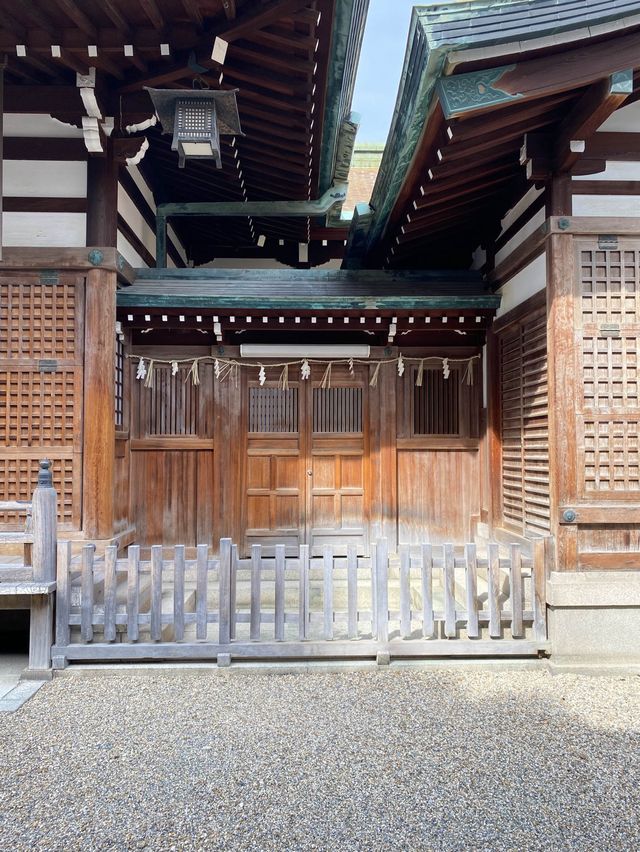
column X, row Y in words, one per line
column 594, row 617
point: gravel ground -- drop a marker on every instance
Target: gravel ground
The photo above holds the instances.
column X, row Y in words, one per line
column 395, row 759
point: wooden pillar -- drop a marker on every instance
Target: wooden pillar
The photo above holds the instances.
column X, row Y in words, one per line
column 102, row 198
column 563, row 383
column 2, row 66
column 383, row 457
column 493, row 437
column 99, row 404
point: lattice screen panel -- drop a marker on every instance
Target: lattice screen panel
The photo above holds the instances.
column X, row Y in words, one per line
column 610, row 285
column 436, row 403
column 612, row 455
column 273, row 410
column 173, row 403
column 525, row 426
column 609, row 407
column 19, row 477
column 41, row 375
column 337, row 410
column 38, row 320
column 38, row 409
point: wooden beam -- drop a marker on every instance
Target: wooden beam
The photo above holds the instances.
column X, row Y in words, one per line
column 192, row 8
column 151, row 10
column 594, row 107
column 256, row 16
column 116, row 17
column 2, row 67
column 79, row 18
column 33, row 204
column 229, row 7
column 544, row 76
column 614, row 146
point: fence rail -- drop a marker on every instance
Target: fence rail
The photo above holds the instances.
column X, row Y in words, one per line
column 429, row 600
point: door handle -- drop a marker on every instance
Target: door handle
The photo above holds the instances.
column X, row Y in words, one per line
column 309, row 473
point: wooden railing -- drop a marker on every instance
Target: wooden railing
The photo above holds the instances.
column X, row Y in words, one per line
column 35, row 578
column 432, row 600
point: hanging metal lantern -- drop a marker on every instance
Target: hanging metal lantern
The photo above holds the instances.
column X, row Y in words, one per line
column 197, row 119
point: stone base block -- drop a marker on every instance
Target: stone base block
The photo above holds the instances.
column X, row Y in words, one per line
column 594, row 617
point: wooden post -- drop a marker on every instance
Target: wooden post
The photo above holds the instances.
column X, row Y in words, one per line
column 99, row 404
column 563, row 383
column 382, row 590
column 2, row 66
column 102, row 199
column 45, row 514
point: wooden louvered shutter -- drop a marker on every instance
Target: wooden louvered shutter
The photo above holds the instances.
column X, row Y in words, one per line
column 525, row 426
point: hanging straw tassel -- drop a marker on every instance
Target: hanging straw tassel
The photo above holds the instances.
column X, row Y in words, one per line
column 305, row 370
column 445, row 368
column 193, row 372
column 326, row 376
column 174, row 368
column 149, row 378
column 262, row 376
column 468, row 373
column 283, row 381
column 374, row 378
column 420, row 373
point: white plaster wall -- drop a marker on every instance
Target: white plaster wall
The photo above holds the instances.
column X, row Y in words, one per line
column 527, row 229
column 42, row 126
column 44, row 229
column 132, row 216
column 44, row 179
column 518, row 209
column 606, row 205
column 524, row 284
column 129, row 253
column 624, row 120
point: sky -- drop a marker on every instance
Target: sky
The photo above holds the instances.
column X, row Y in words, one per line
column 383, row 47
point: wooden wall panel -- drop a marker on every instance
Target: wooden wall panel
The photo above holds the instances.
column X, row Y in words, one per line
column 172, row 496
column 41, row 388
column 438, row 495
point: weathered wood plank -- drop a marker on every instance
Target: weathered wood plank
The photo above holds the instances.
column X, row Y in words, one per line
column 256, row 578
column 539, row 597
column 224, row 592
column 233, row 591
column 374, row 590
column 327, row 595
column 471, row 568
column 133, row 593
column 494, row 590
column 405, row 591
column 302, row 650
column 178, row 592
column 279, row 594
column 352, row 591
column 449, row 592
column 202, row 568
column 426, row 567
column 155, row 629
column 86, row 591
column 382, row 590
column 63, row 593
column 110, row 564
column 303, row 594
column 515, row 581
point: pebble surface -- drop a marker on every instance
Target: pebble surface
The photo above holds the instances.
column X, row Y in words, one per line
column 382, row 760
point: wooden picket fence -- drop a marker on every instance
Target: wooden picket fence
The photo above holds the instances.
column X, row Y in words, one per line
column 429, row 601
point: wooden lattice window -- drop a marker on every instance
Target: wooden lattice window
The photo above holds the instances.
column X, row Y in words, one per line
column 337, row 410
column 273, row 409
column 119, row 381
column 525, row 426
column 436, row 403
column 173, row 402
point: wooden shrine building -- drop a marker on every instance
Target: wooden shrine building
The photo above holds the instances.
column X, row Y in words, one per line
column 207, row 348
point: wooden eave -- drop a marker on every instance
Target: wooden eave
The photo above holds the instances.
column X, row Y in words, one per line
column 291, row 60
column 465, row 171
